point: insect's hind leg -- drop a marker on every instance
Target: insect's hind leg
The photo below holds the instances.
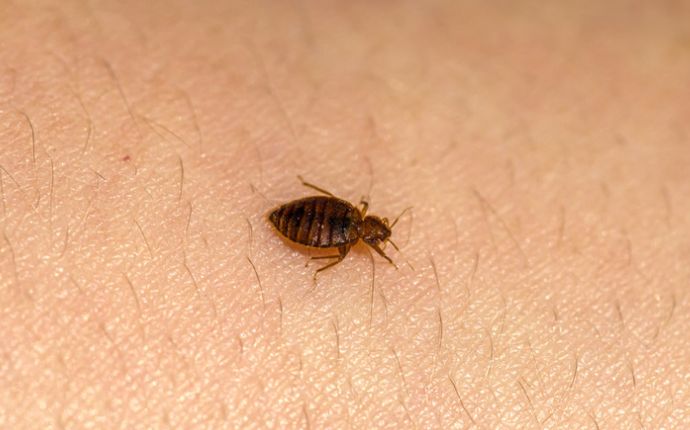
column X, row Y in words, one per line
column 319, row 189
column 342, row 252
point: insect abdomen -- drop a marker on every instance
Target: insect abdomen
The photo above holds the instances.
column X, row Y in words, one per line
column 323, row 222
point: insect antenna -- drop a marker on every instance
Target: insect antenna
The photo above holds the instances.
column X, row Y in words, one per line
column 403, row 254
column 398, row 217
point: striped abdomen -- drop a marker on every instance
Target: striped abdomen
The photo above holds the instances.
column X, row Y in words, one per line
column 320, row 221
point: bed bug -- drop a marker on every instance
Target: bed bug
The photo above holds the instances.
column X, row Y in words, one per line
column 326, row 221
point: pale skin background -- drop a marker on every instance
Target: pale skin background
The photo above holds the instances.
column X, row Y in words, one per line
column 545, row 149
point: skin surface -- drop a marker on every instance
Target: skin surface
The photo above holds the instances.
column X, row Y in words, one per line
column 544, row 146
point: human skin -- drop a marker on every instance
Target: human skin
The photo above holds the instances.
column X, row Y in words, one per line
column 544, row 269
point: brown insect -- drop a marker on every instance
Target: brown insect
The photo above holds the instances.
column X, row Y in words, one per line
column 329, row 222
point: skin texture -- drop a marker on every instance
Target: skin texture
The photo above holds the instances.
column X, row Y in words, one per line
column 544, row 146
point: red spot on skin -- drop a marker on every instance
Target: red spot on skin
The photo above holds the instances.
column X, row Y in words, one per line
column 126, row 158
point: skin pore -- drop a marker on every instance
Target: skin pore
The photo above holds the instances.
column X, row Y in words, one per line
column 543, row 275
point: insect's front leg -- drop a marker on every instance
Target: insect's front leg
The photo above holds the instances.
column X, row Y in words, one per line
column 378, row 250
column 365, row 205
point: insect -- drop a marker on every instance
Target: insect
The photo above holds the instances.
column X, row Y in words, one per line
column 326, row 221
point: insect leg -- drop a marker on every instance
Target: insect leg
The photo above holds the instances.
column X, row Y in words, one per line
column 319, row 189
column 343, row 250
column 323, row 257
column 382, row 254
column 365, row 206
column 398, row 217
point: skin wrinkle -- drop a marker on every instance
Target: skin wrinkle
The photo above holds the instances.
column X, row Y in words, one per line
column 507, row 302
